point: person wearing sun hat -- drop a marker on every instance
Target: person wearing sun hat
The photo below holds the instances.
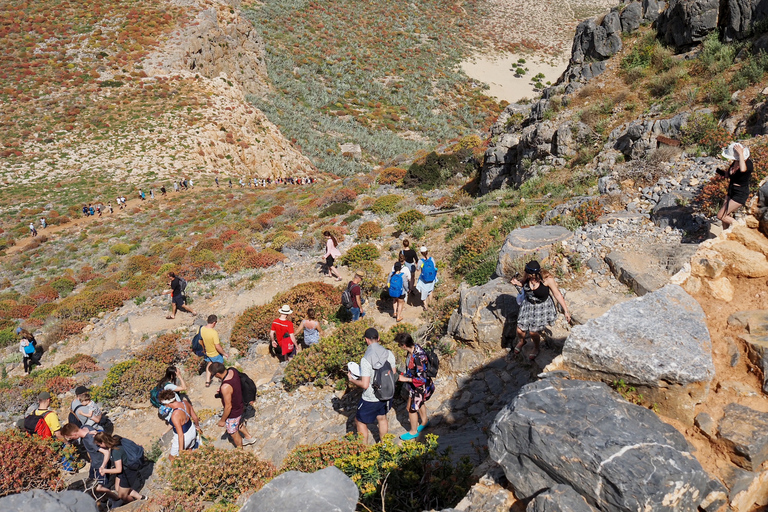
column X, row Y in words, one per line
column 281, row 334
column 738, row 173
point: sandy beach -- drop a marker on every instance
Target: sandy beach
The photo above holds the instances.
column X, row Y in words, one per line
column 499, row 73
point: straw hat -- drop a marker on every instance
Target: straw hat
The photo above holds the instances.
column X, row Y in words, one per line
column 285, row 310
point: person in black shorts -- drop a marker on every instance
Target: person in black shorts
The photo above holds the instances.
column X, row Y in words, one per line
column 738, row 174
column 411, row 258
column 127, row 479
column 178, row 300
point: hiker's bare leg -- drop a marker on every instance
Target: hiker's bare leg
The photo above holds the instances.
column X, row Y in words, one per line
column 725, row 212
column 383, row 425
column 413, row 418
column 362, row 431
column 244, row 431
column 237, row 439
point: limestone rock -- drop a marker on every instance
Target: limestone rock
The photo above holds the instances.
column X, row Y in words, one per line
column 720, row 288
column 631, row 17
column 328, row 489
column 742, row 261
column 658, row 343
column 755, row 321
column 633, row 271
column 706, row 424
column 746, row 489
column 744, row 432
column 685, row 22
column 48, row 501
column 619, row 456
column 486, row 314
column 757, row 351
column 750, row 238
column 529, row 242
column 559, row 498
column 706, row 263
column 465, row 360
column 743, row 16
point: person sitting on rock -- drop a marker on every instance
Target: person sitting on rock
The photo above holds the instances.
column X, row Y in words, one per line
column 537, row 310
column 738, row 174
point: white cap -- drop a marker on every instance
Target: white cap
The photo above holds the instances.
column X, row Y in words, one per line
column 423, row 248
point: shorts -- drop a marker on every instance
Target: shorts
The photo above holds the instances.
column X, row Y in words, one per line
column 218, row 358
column 233, row 424
column 738, row 194
column 178, row 300
column 367, row 412
column 129, row 478
column 329, row 261
column 400, row 297
column 190, row 440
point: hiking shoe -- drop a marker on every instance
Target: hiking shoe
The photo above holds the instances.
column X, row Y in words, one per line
column 248, row 441
column 408, row 436
column 422, row 427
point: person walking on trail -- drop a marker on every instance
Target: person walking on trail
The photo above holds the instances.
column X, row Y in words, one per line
column 151, row 193
column 178, row 300
column 231, row 395
column 50, row 417
column 397, row 290
column 427, row 277
column 311, row 328
column 141, row 195
column 411, row 258
column 214, row 353
column 32, row 230
column 331, row 254
column 216, row 179
column 370, row 409
column 163, row 191
column 281, row 334
column 537, row 309
column 230, row 182
column 738, row 174
column 175, row 187
column 355, row 305
column 31, row 352
column 43, row 224
column 181, row 416
column 418, row 383
column 127, row 478
column 84, row 436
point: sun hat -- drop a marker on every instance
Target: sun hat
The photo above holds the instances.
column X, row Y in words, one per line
column 360, row 273
column 532, row 267
column 79, row 390
column 371, row 334
column 44, row 395
column 730, row 154
column 285, row 310
column 423, row 248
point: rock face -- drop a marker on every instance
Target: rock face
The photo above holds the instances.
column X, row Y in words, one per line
column 48, row 501
column 743, row 15
column 633, row 271
column 658, row 343
column 762, row 208
column 756, row 322
column 328, row 489
column 618, row 456
column 637, row 138
column 559, row 498
column 594, row 42
column 486, row 314
column 527, row 242
column 744, row 432
column 686, row 22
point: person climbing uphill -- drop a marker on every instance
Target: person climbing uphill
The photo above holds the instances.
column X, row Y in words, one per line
column 537, row 310
column 738, row 174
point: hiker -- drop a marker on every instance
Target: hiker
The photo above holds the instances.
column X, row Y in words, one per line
column 173, row 381
column 32, row 230
column 141, row 195
column 191, row 183
column 127, row 477
column 231, row 395
column 370, row 409
column 311, row 328
column 182, row 418
column 537, row 310
column 214, row 353
column 175, row 187
column 91, row 211
column 178, row 300
column 230, row 182
column 397, row 290
column 281, row 334
column 410, row 257
column 331, row 254
column 86, row 411
column 427, row 277
column 162, row 190
column 50, row 417
column 110, row 208
column 355, row 291
column 738, row 174
column 84, row 436
column 216, row 179
column 43, row 224
column 419, row 385
column 151, row 193
column 31, row 352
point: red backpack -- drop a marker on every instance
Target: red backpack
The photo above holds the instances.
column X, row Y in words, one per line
column 36, row 425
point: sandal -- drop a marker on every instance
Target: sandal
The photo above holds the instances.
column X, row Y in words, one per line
column 170, row 317
column 519, row 347
column 207, row 384
column 533, row 356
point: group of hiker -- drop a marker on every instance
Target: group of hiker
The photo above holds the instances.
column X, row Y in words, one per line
column 264, row 182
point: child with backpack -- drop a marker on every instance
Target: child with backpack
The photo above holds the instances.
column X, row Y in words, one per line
column 427, row 278
column 127, row 458
column 418, row 382
column 28, row 349
column 398, row 289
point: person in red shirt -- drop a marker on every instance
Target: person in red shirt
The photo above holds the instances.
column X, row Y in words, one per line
column 281, row 334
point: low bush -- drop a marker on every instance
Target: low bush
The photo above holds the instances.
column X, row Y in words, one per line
column 406, row 220
column 470, row 251
column 704, row 131
column 588, row 212
column 129, row 380
column 63, row 329
column 30, row 462
column 392, row 175
column 169, row 349
column 45, row 293
column 369, row 230
column 433, row 173
column 336, row 209
column 120, row 249
column 360, row 253
column 265, row 258
column 213, row 474
column 338, row 231
column 82, row 363
column 311, row 458
column 342, row 195
column 305, row 243
column 64, row 285
column 8, row 337
column 386, row 204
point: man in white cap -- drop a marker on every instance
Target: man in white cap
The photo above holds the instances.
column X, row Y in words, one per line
column 738, row 174
column 427, row 277
column 281, row 334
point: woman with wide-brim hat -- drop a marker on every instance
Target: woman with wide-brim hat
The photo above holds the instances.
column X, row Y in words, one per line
column 738, row 173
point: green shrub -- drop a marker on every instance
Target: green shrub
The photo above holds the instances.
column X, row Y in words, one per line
column 588, row 212
column 311, row 458
column 484, row 269
column 64, row 285
column 336, row 209
column 120, row 249
column 8, row 337
column 386, row 204
column 349, row 219
column 406, row 220
column 704, row 131
column 391, row 175
column 714, row 57
column 470, row 251
column 30, row 462
column 129, row 380
column 360, row 253
column 369, row 230
column 434, row 172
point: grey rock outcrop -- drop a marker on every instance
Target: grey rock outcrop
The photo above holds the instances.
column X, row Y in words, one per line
column 631, row 17
column 559, row 498
column 636, row 139
column 762, row 208
column 328, row 489
column 686, row 22
column 633, row 271
column 651, row 10
column 744, row 432
column 486, row 314
column 672, row 211
column 742, row 16
column 48, row 501
column 658, row 343
column 618, row 456
column 528, row 242
column 756, row 323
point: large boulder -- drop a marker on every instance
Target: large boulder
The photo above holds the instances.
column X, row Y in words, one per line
column 744, row 432
column 743, row 16
column 658, row 343
column 486, row 314
column 686, row 22
column 756, row 322
column 617, row 455
column 534, row 241
column 48, row 501
column 328, row 489
column 559, row 498
column 631, row 17
column 633, row 270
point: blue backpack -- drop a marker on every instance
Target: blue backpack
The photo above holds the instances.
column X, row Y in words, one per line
column 396, row 285
column 428, row 271
column 197, row 345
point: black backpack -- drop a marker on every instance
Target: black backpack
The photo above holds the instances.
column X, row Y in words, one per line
column 346, row 297
column 197, row 344
column 247, row 388
column 434, row 363
column 183, row 286
column 134, row 454
column 384, row 382
column 72, row 418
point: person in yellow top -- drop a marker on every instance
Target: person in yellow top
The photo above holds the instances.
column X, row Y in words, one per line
column 43, row 402
column 214, row 353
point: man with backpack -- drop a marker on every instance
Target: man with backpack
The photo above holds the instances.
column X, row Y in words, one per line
column 43, row 421
column 232, row 399
column 178, row 299
column 352, row 297
column 427, row 277
column 377, row 379
column 214, row 353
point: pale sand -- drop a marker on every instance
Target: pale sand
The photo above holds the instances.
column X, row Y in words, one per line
column 498, row 71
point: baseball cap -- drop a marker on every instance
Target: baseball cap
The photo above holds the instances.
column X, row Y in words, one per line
column 79, row 390
column 423, row 248
column 44, row 395
column 371, row 334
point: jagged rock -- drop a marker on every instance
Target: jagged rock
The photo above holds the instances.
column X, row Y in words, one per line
column 593, row 43
column 631, row 17
column 670, row 212
column 48, row 501
column 685, row 22
column 651, row 10
column 486, row 314
column 569, row 137
column 658, row 343
column 618, row 455
column 750, row 238
column 746, row 489
column 559, row 498
column 707, row 264
column 762, row 208
column 465, row 360
column 529, row 242
column 744, row 433
column 706, row 424
column 742, row 261
column 638, row 138
column 743, row 16
column 328, row 489
column 633, row 271
column 497, row 169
